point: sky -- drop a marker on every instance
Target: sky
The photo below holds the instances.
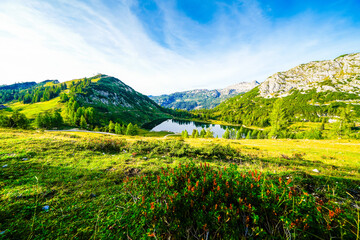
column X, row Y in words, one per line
column 164, row 46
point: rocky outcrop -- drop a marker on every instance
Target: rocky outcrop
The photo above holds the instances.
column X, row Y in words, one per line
column 340, row 74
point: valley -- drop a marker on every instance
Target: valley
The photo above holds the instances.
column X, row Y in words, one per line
column 92, row 158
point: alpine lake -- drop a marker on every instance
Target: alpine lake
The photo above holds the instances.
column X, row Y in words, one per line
column 177, row 126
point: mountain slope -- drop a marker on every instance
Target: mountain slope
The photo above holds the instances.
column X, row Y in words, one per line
column 340, row 74
column 109, row 97
column 117, row 101
column 202, row 98
column 311, row 92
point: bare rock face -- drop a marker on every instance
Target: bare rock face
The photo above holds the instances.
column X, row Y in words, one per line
column 238, row 88
column 340, row 74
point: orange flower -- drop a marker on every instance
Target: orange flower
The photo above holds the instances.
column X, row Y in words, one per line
column 331, row 214
column 230, row 206
column 226, row 195
column 252, row 185
column 288, row 181
column 218, row 188
column 143, row 199
column 205, row 227
column 189, row 180
column 152, row 205
column 219, row 217
column 290, row 194
column 151, row 235
column 319, row 208
column 197, row 183
column 204, row 179
column 215, row 206
column 280, row 180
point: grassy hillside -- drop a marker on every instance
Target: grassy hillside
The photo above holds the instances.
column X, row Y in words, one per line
column 109, row 98
column 89, row 186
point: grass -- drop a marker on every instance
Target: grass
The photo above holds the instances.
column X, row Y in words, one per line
column 83, row 188
column 32, row 110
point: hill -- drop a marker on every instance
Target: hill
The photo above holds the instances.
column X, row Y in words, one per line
column 106, row 97
column 314, row 92
column 202, row 98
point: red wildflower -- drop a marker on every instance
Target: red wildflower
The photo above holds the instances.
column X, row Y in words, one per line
column 280, row 180
column 152, row 205
column 288, row 181
column 219, row 217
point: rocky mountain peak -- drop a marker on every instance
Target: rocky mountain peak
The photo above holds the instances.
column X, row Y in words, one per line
column 340, row 74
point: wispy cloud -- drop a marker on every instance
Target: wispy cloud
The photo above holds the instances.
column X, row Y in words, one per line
column 162, row 50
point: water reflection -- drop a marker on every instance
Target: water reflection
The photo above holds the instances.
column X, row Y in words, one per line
column 177, row 126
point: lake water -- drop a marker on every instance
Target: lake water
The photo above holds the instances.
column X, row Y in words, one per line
column 177, row 126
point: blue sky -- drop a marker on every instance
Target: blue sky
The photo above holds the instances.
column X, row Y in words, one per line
column 164, row 46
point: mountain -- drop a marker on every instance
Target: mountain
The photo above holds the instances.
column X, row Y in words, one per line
column 311, row 92
column 340, row 74
column 117, row 101
column 202, row 98
column 18, row 86
column 106, row 97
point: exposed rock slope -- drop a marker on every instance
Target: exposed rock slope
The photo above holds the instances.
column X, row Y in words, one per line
column 340, row 74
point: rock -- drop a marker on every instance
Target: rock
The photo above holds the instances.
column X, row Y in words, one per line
column 25, row 159
column 5, row 166
column 315, row 170
column 3, row 232
column 92, row 195
column 322, row 75
column 46, row 208
column 145, row 158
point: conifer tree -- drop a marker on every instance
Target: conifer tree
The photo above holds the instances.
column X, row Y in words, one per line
column 226, row 134
column 83, row 123
column 111, row 127
column 277, row 119
column 209, row 133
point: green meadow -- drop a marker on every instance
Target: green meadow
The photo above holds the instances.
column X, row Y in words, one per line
column 73, row 185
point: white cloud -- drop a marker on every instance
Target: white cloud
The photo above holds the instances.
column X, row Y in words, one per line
column 67, row 39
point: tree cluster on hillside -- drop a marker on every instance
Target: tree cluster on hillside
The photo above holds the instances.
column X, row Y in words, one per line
column 79, row 116
column 49, row 120
column 15, row 120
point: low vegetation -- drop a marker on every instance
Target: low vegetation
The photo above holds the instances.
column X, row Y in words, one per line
column 91, row 186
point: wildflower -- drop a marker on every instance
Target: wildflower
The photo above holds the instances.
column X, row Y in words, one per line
column 189, row 181
column 249, row 206
column 240, row 200
column 158, row 179
column 151, row 235
column 227, row 184
column 230, row 206
column 204, row 179
column 328, row 227
column 224, row 168
column 218, row 188
column 267, row 192
column 205, row 227
column 290, row 194
column 152, row 206
column 219, row 217
column 226, row 195
column 215, row 206
column 192, row 189
column 337, row 211
column 252, row 185
column 306, row 227
column 204, row 208
column 331, row 214
column 288, row 181
column 247, row 219
column 197, row 183
column 280, row 180
column 143, row 199
column 319, row 208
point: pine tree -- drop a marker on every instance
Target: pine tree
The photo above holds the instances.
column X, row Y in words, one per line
column 111, row 127
column 277, row 119
column 248, row 136
column 195, row 134
column 202, row 133
column 209, row 133
column 226, row 134
column 185, row 134
column 83, row 123
column 238, row 135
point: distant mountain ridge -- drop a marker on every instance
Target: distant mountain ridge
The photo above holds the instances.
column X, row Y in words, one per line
column 202, row 98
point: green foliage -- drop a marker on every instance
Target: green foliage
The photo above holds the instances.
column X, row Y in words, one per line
column 202, row 133
column 49, row 120
column 83, row 123
column 201, row 202
column 16, row 120
column 132, row 130
column 185, row 134
column 195, row 133
column 209, row 133
column 226, row 134
column 277, row 119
